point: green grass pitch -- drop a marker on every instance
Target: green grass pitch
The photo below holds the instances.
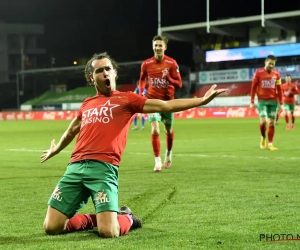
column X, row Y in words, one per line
column 221, row 192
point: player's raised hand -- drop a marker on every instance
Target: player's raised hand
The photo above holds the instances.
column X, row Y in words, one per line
column 47, row 154
column 213, row 92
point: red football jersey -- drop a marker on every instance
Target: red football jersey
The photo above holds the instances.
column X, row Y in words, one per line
column 266, row 85
column 160, row 87
column 105, row 124
column 289, row 91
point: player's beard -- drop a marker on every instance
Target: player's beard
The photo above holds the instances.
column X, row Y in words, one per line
column 159, row 56
column 269, row 69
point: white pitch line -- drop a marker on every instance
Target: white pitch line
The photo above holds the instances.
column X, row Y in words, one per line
column 228, row 156
column 32, row 150
column 180, row 155
column 195, row 140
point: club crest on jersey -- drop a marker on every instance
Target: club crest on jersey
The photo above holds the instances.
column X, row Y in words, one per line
column 102, row 113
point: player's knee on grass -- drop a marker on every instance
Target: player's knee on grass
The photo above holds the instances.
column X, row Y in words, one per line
column 108, row 225
column 53, row 228
column 109, row 231
column 55, row 221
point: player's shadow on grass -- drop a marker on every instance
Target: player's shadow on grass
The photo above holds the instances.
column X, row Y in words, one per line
column 29, row 177
column 41, row 237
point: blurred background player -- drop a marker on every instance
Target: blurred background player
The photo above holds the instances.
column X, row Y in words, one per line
column 279, row 111
column 135, row 120
column 278, row 115
column 266, row 84
column 289, row 90
column 163, row 77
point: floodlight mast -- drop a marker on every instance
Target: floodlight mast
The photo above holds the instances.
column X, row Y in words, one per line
column 262, row 13
column 158, row 17
column 207, row 17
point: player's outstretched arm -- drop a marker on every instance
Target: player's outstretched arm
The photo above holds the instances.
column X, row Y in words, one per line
column 154, row 105
column 64, row 141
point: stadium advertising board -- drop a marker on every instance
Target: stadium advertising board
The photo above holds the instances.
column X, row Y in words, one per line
column 194, row 113
column 231, row 75
column 292, row 70
column 71, row 106
column 231, row 101
column 50, row 107
column 252, row 52
column 233, row 89
column 242, row 75
column 38, row 115
column 232, row 112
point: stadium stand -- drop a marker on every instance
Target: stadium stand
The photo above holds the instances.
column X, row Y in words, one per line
column 51, row 97
column 76, row 95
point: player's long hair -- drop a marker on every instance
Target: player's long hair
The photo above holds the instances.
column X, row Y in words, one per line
column 89, row 68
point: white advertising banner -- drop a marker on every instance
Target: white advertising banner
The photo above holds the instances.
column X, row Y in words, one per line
column 71, row 106
column 222, row 76
column 231, row 101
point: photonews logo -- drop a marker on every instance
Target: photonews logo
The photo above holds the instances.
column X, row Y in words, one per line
column 279, row 237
